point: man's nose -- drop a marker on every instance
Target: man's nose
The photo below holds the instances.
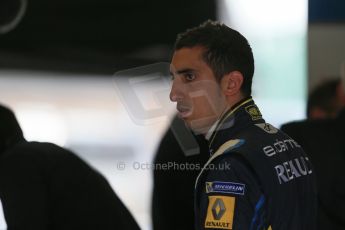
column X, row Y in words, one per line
column 176, row 91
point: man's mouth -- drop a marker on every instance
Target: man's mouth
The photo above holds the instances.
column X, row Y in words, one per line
column 183, row 111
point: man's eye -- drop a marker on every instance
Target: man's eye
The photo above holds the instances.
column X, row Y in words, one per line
column 189, row 76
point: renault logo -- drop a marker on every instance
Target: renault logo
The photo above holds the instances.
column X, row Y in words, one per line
column 218, row 209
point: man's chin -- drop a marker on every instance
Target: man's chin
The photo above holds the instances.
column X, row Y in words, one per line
column 199, row 127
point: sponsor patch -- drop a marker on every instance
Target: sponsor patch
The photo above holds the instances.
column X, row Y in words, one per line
column 225, row 187
column 220, row 212
column 268, row 128
column 254, row 112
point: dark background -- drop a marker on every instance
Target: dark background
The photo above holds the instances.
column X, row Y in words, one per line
column 98, row 35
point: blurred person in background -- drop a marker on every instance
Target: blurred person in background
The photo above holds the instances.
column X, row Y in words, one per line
column 173, row 189
column 325, row 101
column 324, row 140
column 43, row 186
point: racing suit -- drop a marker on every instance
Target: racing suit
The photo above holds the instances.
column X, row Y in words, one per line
column 256, row 178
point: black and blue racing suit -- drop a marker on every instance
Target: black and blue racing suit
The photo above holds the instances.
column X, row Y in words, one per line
column 256, row 178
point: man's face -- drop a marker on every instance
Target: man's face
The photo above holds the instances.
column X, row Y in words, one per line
column 199, row 97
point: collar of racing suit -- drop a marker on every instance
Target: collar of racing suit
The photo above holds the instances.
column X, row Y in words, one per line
column 237, row 118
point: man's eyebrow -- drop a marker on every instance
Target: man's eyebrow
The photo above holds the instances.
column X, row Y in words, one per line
column 182, row 71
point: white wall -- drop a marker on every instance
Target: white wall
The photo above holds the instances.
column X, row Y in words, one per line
column 326, row 51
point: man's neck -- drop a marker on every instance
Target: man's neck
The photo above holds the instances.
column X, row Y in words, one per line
column 208, row 134
column 230, row 106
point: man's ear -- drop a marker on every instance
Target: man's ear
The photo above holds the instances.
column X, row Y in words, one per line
column 231, row 83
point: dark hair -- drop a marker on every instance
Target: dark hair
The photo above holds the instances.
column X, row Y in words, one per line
column 226, row 50
column 324, row 97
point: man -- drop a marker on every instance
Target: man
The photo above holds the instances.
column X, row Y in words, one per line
column 43, row 186
column 173, row 190
column 257, row 177
column 324, row 140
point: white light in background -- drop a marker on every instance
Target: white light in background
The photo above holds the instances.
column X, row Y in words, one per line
column 277, row 32
column 268, row 18
column 87, row 113
column 3, row 224
column 41, row 122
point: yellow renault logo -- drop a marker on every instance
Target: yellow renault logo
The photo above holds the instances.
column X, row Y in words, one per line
column 218, row 209
column 220, row 212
